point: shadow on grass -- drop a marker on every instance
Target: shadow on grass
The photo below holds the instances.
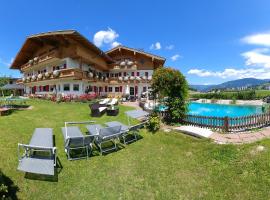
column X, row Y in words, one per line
column 8, row 190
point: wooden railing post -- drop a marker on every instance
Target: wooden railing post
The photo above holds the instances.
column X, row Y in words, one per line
column 226, row 124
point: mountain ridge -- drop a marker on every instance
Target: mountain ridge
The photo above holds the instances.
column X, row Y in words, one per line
column 245, row 82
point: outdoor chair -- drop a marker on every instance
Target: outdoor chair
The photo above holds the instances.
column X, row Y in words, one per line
column 104, row 135
column 127, row 130
column 97, row 110
column 114, row 101
column 104, row 101
column 74, row 140
column 39, row 155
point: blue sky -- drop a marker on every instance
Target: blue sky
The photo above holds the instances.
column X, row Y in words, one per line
column 209, row 41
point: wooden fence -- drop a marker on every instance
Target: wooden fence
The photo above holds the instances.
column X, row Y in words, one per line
column 227, row 124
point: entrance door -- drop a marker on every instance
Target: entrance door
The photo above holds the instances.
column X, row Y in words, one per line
column 131, row 91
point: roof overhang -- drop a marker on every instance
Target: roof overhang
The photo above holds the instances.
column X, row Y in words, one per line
column 152, row 56
column 33, row 42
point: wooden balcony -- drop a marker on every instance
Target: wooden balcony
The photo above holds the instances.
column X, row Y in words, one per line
column 78, row 74
column 40, row 60
column 74, row 74
column 19, row 81
column 117, row 67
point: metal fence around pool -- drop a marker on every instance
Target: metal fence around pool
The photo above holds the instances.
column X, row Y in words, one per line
column 228, row 124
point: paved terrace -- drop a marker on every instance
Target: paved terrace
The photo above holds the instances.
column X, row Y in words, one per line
column 226, row 138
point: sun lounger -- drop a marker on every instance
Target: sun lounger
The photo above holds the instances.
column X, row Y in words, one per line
column 97, row 110
column 137, row 114
column 104, row 101
column 40, row 155
column 74, row 139
column 114, row 101
column 104, row 135
column 126, row 130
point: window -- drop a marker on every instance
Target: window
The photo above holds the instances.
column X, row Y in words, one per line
column 76, row 87
column 44, row 88
column 66, row 87
column 116, row 75
column 138, row 73
column 110, row 89
column 146, row 74
column 144, row 89
column 90, row 89
column 132, row 73
column 125, row 73
column 116, row 89
column 120, row 74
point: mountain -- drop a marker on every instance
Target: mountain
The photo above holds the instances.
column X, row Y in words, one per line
column 201, row 87
column 245, row 82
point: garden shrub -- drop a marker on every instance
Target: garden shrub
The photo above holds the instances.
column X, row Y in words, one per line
column 153, row 123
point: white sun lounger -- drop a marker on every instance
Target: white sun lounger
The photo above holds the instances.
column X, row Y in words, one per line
column 34, row 162
column 113, row 102
column 104, row 101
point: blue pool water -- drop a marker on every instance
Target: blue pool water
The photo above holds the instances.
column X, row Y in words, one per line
column 221, row 110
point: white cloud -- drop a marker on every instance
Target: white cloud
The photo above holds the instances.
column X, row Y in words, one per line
column 169, row 47
column 231, row 73
column 115, row 44
column 156, row 46
column 106, row 37
column 175, row 57
column 257, row 61
column 262, row 39
column 257, row 57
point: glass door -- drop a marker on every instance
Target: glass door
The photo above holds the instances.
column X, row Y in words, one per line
column 131, row 91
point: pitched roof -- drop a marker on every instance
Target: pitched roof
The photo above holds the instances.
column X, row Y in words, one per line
column 30, row 45
column 137, row 51
column 12, row 87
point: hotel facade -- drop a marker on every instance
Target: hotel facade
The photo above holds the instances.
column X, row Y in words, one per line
column 65, row 62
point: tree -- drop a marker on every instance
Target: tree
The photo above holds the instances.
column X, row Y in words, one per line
column 3, row 81
column 170, row 84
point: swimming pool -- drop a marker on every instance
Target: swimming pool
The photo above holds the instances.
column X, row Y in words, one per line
column 222, row 110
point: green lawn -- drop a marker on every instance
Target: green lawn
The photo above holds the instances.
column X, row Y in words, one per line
column 159, row 166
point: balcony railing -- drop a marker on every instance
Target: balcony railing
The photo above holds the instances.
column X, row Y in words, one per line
column 126, row 67
column 78, row 74
column 39, row 60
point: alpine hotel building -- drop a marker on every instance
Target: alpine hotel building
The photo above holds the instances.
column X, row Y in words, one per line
column 65, row 62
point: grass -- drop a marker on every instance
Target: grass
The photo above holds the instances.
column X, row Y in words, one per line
column 159, row 166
